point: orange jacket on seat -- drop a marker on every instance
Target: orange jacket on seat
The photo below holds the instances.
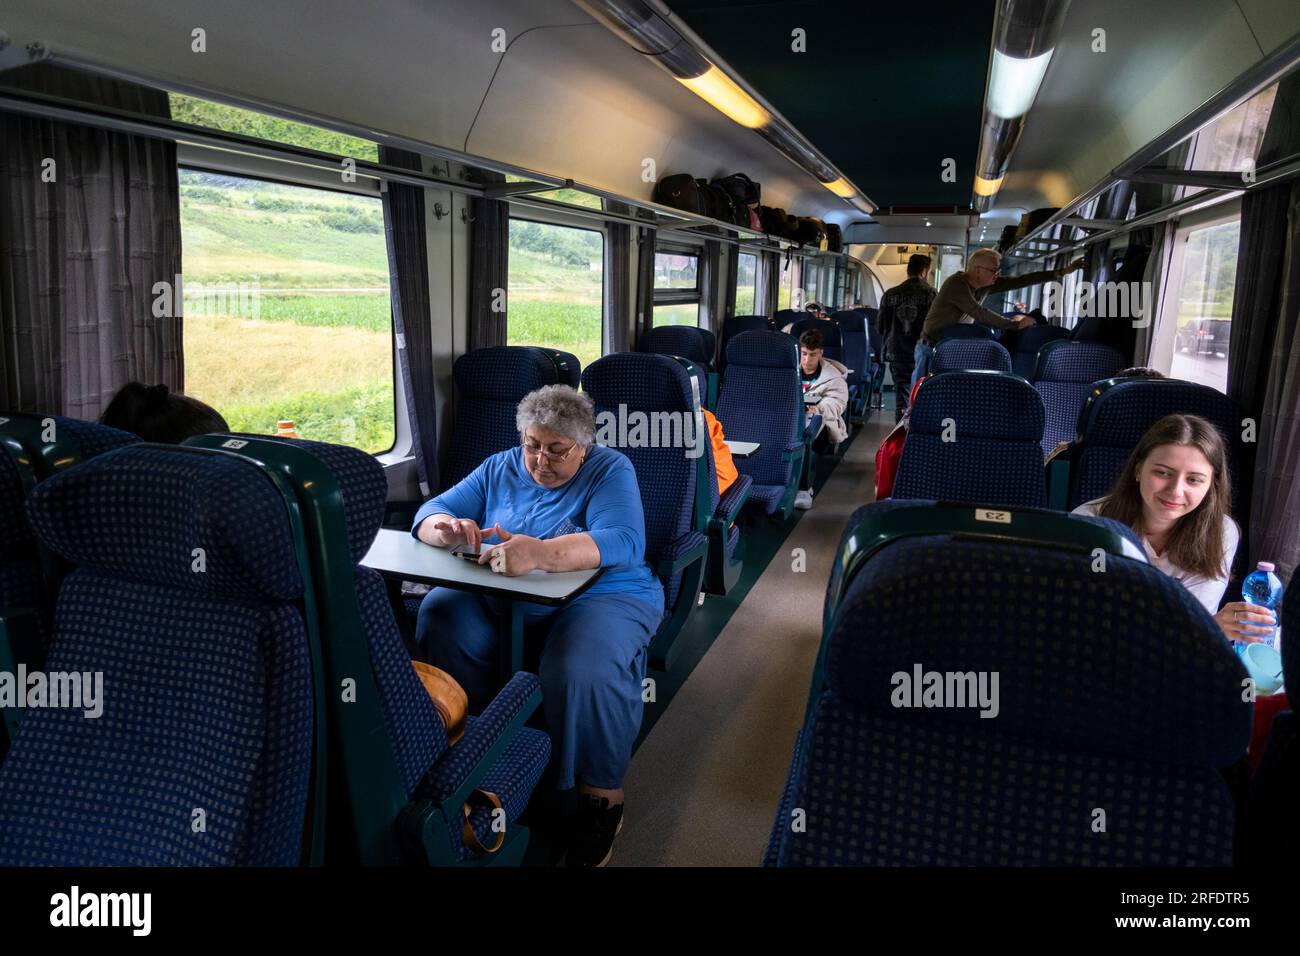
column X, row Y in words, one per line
column 726, row 468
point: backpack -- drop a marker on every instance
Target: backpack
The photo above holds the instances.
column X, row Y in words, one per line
column 717, row 204
column 834, row 238
column 681, row 191
column 888, row 456
column 805, row 230
column 773, row 220
column 741, row 187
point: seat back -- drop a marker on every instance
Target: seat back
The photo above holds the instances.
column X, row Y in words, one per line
column 490, row 383
column 683, row 340
column 761, row 401
column 1027, row 344
column 832, row 344
column 970, row 354
column 665, row 397
column 950, row 727
column 856, row 345
column 1063, row 377
column 737, row 324
column 1118, row 412
column 784, row 317
column 974, row 436
column 186, row 610
column 567, row 367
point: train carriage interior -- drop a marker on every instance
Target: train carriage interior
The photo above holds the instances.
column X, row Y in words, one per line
column 650, row 433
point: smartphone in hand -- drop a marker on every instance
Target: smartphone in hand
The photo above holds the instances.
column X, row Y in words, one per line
column 465, row 553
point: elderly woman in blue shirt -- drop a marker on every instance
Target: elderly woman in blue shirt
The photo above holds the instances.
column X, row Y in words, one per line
column 558, row 502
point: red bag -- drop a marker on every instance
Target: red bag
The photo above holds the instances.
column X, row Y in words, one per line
column 888, row 455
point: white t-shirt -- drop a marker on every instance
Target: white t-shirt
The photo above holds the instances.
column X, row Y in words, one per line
column 1209, row 591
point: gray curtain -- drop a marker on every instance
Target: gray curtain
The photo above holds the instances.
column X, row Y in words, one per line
column 1156, row 278
column 645, row 282
column 406, row 236
column 489, row 262
column 622, row 315
column 710, row 316
column 80, row 255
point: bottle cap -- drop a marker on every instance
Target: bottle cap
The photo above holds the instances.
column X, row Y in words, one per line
column 284, row 424
column 1265, row 566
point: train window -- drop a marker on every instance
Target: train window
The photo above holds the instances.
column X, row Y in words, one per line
column 287, row 308
column 811, row 278
column 785, row 290
column 232, row 119
column 556, row 288
column 746, row 283
column 677, row 291
column 1204, row 297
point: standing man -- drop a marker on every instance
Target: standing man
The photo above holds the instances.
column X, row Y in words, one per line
column 962, row 294
column 902, row 311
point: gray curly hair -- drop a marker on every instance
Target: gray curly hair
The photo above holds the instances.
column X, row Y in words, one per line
column 561, row 409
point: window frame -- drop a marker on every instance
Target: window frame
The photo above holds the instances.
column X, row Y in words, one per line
column 757, row 256
column 668, row 297
column 515, row 211
column 203, row 159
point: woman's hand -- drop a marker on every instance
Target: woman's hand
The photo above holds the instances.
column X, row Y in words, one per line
column 442, row 531
column 1242, row 622
column 516, row 554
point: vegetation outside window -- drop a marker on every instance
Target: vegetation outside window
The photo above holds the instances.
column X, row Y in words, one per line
column 556, row 288
column 746, row 283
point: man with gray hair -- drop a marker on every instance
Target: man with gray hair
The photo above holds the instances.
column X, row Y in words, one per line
column 962, row 295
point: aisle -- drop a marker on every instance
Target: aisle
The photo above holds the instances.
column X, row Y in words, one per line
column 703, row 787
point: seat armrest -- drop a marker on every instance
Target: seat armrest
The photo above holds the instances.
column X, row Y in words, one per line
column 682, row 553
column 729, row 504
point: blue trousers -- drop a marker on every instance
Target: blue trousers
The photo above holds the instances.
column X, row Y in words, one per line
column 591, row 657
column 921, row 360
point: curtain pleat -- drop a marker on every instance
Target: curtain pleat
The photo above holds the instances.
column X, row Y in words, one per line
column 489, row 261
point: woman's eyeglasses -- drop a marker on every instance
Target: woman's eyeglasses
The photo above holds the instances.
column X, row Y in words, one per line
column 537, row 451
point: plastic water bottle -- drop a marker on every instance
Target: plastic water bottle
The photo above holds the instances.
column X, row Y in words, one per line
column 1263, row 587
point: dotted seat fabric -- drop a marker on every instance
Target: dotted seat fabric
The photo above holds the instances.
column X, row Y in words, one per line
column 1028, row 342
column 856, row 345
column 1063, row 377
column 1116, row 691
column 832, row 342
column 682, row 340
column 1119, row 414
column 960, row 354
column 490, row 382
column 974, row 437
column 737, row 324
column 761, row 400
column 202, row 754
column 652, row 384
column 91, row 438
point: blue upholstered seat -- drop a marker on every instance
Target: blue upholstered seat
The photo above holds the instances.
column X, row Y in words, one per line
column 490, row 383
column 567, row 367
column 202, row 754
column 1118, row 412
column 737, row 324
column 960, row 353
column 832, row 343
column 684, row 340
column 974, row 436
column 761, row 401
column 1024, row 358
column 858, row 356
column 649, row 384
column 1117, row 702
column 1063, row 376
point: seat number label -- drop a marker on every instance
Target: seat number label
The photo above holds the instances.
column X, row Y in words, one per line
column 233, row 443
column 1001, row 517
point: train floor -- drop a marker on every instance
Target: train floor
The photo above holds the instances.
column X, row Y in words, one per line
column 705, row 780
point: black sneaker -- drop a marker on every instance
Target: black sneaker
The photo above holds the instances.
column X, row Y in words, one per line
column 591, row 839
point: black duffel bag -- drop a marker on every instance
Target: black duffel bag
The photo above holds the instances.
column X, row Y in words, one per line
column 739, row 186
column 681, row 191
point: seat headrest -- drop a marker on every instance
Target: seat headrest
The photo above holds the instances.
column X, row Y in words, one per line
column 639, row 380
column 763, row 349
column 1120, row 411
column 141, row 512
column 92, row 438
column 970, row 354
column 1123, row 661
column 503, row 373
column 1078, row 362
column 683, row 340
column 850, row 321
column 982, row 404
column 363, row 485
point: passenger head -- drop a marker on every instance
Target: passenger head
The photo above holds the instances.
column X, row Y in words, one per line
column 810, row 351
column 814, row 308
column 1141, row 371
column 1177, row 480
column 982, row 267
column 918, row 265
column 557, row 426
column 157, row 414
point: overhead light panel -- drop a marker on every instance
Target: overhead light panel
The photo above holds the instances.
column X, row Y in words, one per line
column 988, row 187
column 721, row 92
column 1014, row 82
column 841, row 187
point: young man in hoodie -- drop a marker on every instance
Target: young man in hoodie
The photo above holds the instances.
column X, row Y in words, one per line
column 825, row 393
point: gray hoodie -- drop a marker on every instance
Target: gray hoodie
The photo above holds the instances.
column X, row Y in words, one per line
column 831, row 392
